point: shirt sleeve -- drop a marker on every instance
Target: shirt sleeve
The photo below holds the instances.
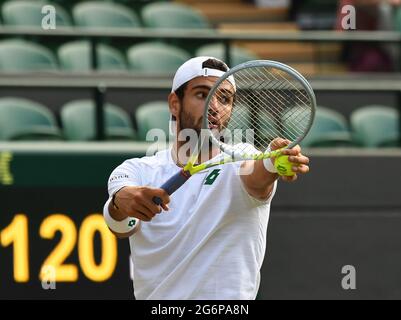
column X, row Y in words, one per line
column 254, row 200
column 126, row 174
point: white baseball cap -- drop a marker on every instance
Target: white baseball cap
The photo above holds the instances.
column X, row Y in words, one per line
column 191, row 69
column 194, row 68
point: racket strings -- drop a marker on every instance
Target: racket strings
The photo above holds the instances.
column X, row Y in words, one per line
column 268, row 103
column 304, row 100
column 283, row 98
column 280, row 99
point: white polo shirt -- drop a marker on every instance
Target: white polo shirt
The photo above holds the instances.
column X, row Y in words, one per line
column 209, row 245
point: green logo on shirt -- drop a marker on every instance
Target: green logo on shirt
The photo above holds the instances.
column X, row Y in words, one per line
column 211, row 178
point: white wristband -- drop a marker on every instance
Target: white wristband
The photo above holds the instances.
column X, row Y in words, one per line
column 124, row 226
column 269, row 166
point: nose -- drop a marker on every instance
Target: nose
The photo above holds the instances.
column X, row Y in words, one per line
column 213, row 105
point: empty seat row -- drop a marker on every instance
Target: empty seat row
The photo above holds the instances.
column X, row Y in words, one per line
column 148, row 57
column 105, row 14
column 23, row 119
column 369, row 126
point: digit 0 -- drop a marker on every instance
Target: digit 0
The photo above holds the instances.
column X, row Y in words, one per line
column 104, row 270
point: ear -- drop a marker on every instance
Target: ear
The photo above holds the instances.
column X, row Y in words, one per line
column 174, row 104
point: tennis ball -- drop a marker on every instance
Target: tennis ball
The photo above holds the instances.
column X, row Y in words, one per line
column 283, row 166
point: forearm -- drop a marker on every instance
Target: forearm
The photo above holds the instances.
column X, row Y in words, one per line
column 131, row 205
column 257, row 180
column 115, row 212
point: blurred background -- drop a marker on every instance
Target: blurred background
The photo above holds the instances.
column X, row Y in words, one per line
column 82, row 83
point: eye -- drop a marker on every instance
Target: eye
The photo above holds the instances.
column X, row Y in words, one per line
column 201, row 95
column 224, row 99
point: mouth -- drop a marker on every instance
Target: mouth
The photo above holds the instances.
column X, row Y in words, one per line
column 213, row 126
column 213, row 123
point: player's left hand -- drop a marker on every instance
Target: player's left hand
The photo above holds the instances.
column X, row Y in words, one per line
column 301, row 162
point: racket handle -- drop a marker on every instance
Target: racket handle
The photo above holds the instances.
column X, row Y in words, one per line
column 172, row 184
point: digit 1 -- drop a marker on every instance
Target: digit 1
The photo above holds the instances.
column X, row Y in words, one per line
column 16, row 233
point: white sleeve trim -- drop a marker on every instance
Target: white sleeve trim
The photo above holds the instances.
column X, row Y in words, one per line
column 126, row 174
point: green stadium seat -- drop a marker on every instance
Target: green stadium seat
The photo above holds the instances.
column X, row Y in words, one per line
column 78, row 121
column 68, row 4
column 237, row 55
column 173, row 15
column 22, row 119
column 29, row 13
column 104, row 15
column 21, row 55
column 267, row 123
column 240, row 115
column 376, row 126
column 242, row 118
column 397, row 18
column 152, row 115
column 168, row 15
column 330, row 129
column 76, row 56
column 156, row 58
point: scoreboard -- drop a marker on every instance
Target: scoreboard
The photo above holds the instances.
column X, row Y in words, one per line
column 53, row 240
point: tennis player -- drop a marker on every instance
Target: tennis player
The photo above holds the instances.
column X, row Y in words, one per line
column 208, row 239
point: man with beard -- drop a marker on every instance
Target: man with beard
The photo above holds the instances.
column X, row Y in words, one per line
column 208, row 240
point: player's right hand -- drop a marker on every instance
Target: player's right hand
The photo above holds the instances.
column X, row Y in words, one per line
column 137, row 202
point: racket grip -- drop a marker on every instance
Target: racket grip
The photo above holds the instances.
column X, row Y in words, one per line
column 172, row 184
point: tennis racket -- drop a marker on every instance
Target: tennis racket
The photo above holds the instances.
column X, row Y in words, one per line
column 269, row 100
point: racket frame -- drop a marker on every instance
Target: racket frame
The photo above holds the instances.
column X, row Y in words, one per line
column 232, row 156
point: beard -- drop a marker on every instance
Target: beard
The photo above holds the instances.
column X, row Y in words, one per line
column 187, row 121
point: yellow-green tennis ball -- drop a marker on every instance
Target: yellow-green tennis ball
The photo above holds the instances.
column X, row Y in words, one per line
column 283, row 166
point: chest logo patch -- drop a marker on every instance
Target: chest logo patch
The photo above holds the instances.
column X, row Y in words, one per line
column 211, row 178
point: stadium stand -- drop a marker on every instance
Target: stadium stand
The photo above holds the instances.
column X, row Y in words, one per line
column 75, row 56
column 22, row 55
column 241, row 115
column 67, row 4
column 330, row 129
column 308, row 58
column 22, row 119
column 78, row 122
column 137, row 5
column 146, row 120
column 29, row 13
column 397, row 19
column 269, row 125
column 236, row 11
column 173, row 15
column 237, row 54
column 376, row 126
column 170, row 15
column 104, row 14
column 155, row 58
